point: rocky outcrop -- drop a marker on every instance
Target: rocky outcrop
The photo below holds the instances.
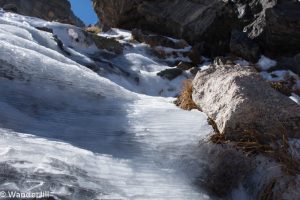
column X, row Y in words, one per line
column 158, row 40
column 54, row 10
column 273, row 24
column 109, row 44
column 242, row 46
column 292, row 63
column 238, row 100
column 201, row 21
column 170, row 74
column 282, row 31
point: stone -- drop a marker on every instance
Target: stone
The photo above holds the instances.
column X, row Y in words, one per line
column 109, row 44
column 185, row 65
column 282, row 31
column 54, row 10
column 291, row 63
column 10, row 8
column 238, row 100
column 272, row 24
column 195, row 55
column 244, row 47
column 195, row 21
column 157, row 40
column 223, row 61
column 194, row 70
column 170, row 74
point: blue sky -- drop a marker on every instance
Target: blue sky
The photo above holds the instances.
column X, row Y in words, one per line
column 84, row 10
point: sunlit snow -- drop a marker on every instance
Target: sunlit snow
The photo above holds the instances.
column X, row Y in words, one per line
column 86, row 135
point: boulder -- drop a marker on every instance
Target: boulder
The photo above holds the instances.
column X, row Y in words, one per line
column 170, row 74
column 10, row 8
column 109, row 44
column 185, row 65
column 157, row 40
column 195, row 55
column 224, row 61
column 194, row 70
column 244, row 47
column 273, row 24
column 208, row 21
column 282, row 30
column 292, row 63
column 54, row 10
column 238, row 100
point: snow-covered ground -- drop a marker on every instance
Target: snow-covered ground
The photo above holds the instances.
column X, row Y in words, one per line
column 84, row 123
column 86, row 135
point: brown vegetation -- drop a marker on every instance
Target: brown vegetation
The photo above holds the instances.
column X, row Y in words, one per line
column 282, row 87
column 93, row 29
column 253, row 143
column 185, row 100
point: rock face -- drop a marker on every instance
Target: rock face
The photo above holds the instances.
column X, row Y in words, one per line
column 292, row 63
column 273, row 24
column 157, row 40
column 108, row 44
column 282, row 31
column 244, row 47
column 203, row 21
column 51, row 10
column 237, row 99
column 170, row 74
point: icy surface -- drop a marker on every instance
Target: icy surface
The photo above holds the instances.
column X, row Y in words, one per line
column 295, row 98
column 87, row 135
column 266, row 63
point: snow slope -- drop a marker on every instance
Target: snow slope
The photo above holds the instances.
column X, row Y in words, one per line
column 86, row 135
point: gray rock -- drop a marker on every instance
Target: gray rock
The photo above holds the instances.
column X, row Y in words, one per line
column 208, row 21
column 194, row 70
column 170, row 73
column 185, row 65
column 237, row 99
column 196, row 53
column 10, row 8
column 109, row 44
column 244, row 47
column 223, row 61
column 274, row 24
column 54, row 10
column 282, row 31
column 291, row 63
column 157, row 40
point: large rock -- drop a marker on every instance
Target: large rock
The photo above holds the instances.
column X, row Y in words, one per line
column 51, row 10
column 244, row 47
column 292, row 63
column 274, row 24
column 157, row 40
column 237, row 99
column 109, row 44
column 282, row 31
column 170, row 74
column 207, row 21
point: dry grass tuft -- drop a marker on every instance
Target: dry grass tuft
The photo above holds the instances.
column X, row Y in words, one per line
column 93, row 29
column 185, row 100
column 254, row 143
column 282, row 87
